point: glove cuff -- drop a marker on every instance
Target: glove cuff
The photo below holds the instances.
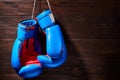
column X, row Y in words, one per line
column 45, row 19
column 27, row 29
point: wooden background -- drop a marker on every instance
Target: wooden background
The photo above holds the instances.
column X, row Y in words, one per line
column 91, row 31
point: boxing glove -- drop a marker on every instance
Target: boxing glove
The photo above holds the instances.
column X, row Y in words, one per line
column 25, row 50
column 55, row 45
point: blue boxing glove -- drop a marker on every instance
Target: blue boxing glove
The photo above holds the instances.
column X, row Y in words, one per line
column 25, row 50
column 55, row 45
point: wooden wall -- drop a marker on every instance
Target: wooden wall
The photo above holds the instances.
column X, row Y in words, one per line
column 91, row 31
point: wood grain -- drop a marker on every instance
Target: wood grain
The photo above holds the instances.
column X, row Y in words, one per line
column 91, row 31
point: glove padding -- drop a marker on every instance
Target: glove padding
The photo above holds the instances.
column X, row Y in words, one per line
column 25, row 50
column 55, row 46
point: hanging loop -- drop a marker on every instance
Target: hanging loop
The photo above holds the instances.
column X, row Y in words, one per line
column 34, row 5
column 33, row 10
column 49, row 6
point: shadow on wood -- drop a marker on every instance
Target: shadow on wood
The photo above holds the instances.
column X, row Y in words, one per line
column 73, row 68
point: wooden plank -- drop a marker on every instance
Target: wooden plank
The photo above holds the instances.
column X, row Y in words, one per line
column 91, row 31
column 92, row 49
column 17, row 8
column 82, row 45
column 10, row 0
column 88, row 48
column 10, row 76
column 92, row 7
column 9, row 8
column 78, row 7
column 12, row 21
column 10, row 32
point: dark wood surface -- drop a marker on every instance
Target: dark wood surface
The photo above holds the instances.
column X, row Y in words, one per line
column 91, row 31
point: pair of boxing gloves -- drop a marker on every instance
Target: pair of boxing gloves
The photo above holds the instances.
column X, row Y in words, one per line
column 27, row 57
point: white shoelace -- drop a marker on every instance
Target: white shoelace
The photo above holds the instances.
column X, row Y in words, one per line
column 34, row 5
